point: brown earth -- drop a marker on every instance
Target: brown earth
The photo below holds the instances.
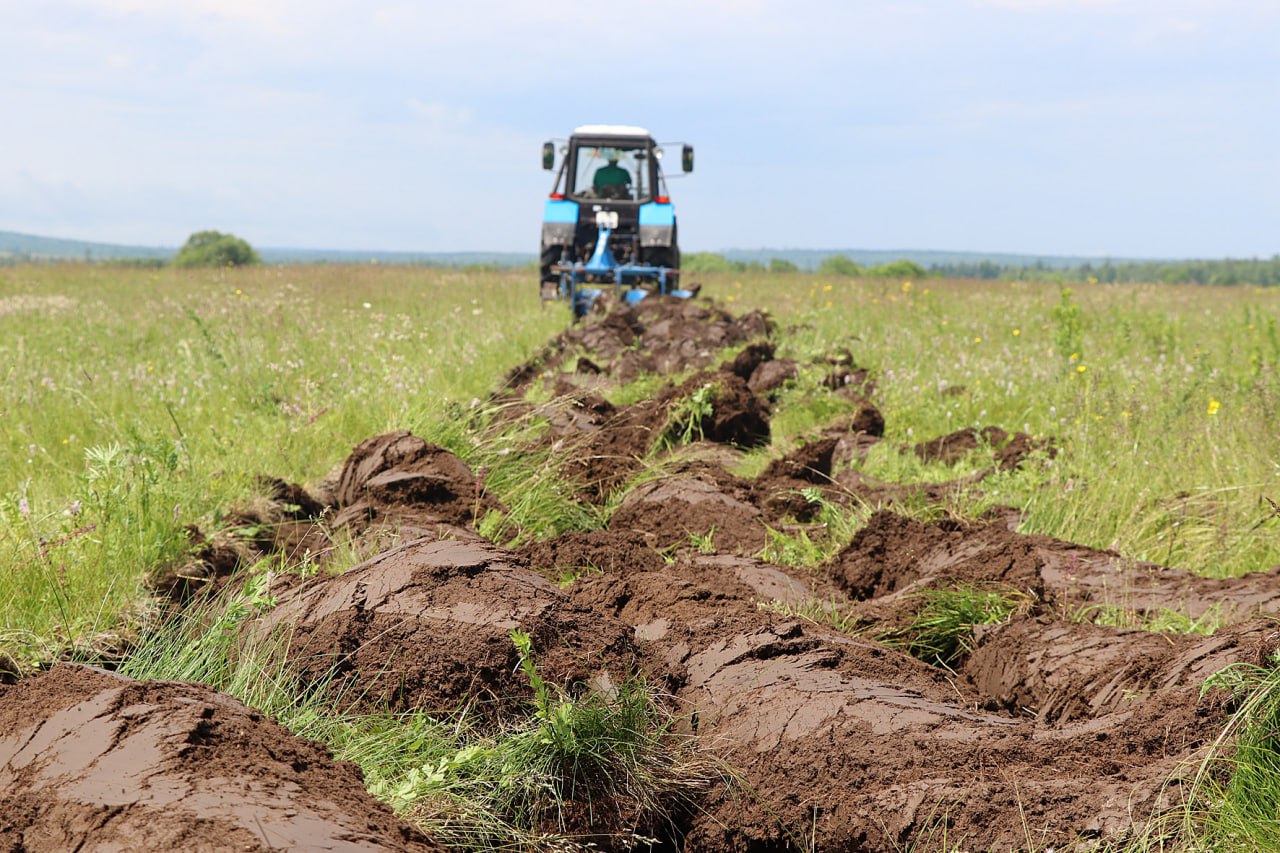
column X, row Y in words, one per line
column 427, row 625
column 850, row 745
column 90, row 760
column 894, row 553
column 1008, row 449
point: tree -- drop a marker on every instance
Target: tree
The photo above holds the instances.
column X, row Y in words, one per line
column 215, row 249
column 782, row 265
column 839, row 265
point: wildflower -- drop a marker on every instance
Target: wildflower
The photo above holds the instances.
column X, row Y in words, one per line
column 239, row 292
column 1214, row 405
column 977, row 340
column 828, row 303
column 906, row 287
column 366, row 304
column 24, row 508
column 1017, row 332
column 730, row 298
column 1075, row 356
column 826, row 288
column 1124, row 415
column 1081, row 369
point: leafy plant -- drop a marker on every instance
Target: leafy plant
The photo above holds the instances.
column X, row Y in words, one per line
column 688, row 418
column 1068, row 329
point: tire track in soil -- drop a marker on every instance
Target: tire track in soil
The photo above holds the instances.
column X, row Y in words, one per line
column 1062, row 730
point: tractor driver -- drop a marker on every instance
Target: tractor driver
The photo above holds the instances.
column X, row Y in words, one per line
column 611, row 180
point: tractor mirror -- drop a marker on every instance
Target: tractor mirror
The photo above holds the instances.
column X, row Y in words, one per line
column 686, row 158
column 548, row 155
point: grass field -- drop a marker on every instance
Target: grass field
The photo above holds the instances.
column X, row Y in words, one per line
column 140, row 402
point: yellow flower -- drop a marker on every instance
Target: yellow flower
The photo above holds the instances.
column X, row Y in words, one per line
column 906, row 287
column 828, row 303
column 730, row 298
column 1075, row 356
column 1124, row 415
column 977, row 340
column 239, row 292
column 826, row 288
column 1081, row 369
column 1017, row 332
column 1214, row 405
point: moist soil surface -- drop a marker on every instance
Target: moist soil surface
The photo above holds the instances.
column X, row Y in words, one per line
column 1044, row 726
column 90, row 760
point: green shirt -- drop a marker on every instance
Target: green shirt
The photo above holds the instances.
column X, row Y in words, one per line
column 611, row 175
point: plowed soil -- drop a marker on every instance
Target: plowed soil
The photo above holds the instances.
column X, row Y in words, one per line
column 1046, row 727
column 90, row 760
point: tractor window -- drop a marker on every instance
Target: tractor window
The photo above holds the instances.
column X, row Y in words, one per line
column 616, row 173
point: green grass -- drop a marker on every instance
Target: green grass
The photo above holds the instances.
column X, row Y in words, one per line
column 1145, row 467
column 1162, row 620
column 140, row 401
column 1231, row 799
column 470, row 787
column 942, row 630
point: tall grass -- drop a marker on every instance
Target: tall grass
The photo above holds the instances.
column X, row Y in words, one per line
column 1162, row 408
column 138, row 402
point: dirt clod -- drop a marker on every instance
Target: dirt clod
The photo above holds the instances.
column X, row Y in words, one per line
column 92, row 760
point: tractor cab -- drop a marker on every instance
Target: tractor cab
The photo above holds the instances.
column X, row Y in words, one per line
column 609, row 217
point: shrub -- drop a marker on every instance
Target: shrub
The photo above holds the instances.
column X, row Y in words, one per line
column 898, row 269
column 215, row 249
column 839, row 265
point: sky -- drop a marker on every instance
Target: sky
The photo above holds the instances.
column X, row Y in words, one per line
column 1122, row 128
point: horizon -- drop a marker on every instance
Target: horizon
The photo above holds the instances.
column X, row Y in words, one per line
column 1077, row 128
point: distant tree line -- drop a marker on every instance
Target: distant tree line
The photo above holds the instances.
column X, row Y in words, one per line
column 841, row 265
column 1264, row 272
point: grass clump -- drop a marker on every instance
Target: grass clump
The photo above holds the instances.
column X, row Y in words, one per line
column 942, row 630
column 1233, row 800
column 1160, row 620
column 833, row 527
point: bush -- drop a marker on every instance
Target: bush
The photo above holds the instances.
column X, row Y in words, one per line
column 898, row 269
column 839, row 265
column 708, row 262
column 215, row 249
column 782, row 265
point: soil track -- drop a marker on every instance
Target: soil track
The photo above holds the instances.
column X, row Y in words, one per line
column 1048, row 727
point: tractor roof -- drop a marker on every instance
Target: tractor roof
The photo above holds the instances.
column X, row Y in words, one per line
column 610, row 130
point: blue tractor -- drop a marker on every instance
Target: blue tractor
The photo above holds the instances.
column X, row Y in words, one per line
column 609, row 221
